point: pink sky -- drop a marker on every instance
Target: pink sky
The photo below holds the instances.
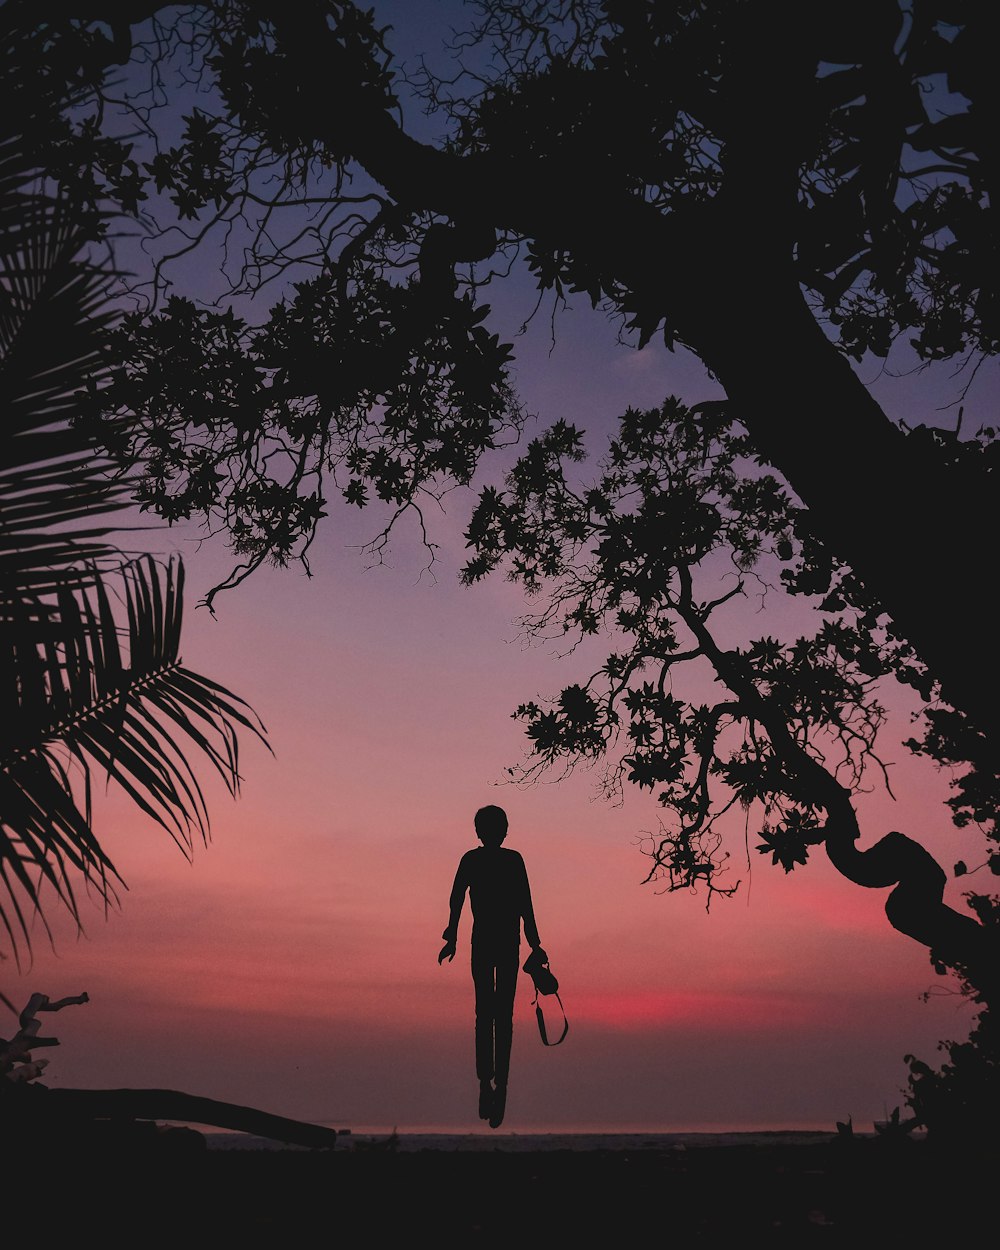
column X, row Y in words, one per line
column 293, row 967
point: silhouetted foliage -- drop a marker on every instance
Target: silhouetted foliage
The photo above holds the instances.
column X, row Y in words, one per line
column 383, row 409
column 723, row 174
column 781, row 189
column 960, row 1099
column 684, row 521
column 90, row 671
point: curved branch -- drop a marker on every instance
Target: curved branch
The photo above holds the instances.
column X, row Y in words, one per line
column 916, row 906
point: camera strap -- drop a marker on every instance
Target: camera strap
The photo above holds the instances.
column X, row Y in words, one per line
column 541, row 1020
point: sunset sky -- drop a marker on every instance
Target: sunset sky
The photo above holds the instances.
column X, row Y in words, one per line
column 292, row 966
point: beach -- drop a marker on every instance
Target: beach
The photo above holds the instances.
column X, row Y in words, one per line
column 778, row 1189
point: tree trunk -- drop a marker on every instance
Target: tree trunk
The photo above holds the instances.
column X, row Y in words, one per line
column 913, row 529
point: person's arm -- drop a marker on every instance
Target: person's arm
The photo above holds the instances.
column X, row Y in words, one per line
column 455, row 903
column 528, row 913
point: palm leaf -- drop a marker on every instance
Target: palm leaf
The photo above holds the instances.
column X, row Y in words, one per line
column 91, row 678
column 134, row 720
column 57, row 494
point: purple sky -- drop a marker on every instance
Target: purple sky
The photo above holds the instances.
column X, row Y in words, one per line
column 292, row 966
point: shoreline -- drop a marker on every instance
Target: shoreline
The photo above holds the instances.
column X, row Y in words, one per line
column 512, row 1142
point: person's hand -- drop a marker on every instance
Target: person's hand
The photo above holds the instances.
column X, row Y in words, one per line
column 447, row 952
column 542, row 957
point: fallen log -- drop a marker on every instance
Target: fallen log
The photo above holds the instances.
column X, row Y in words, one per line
column 27, row 1106
column 176, row 1106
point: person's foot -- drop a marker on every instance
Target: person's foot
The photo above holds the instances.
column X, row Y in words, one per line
column 499, row 1105
column 485, row 1100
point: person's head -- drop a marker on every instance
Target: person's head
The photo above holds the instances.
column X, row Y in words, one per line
column 491, row 825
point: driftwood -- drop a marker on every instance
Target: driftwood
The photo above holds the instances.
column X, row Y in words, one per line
column 16, row 1064
column 24, row 1098
column 172, row 1104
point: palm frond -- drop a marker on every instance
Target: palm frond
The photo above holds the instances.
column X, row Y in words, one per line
column 57, row 495
column 74, row 696
column 91, row 679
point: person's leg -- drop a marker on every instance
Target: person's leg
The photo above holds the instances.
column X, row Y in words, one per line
column 506, row 987
column 484, row 979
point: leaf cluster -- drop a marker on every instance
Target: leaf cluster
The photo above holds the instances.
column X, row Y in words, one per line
column 354, row 386
column 879, row 173
column 52, row 89
column 683, row 504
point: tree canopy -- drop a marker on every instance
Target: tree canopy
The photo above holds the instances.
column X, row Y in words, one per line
column 752, row 181
column 782, row 189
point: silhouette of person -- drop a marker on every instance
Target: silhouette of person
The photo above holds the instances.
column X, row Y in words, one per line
column 497, row 883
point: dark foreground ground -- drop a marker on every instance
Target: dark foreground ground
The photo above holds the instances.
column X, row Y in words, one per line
column 825, row 1193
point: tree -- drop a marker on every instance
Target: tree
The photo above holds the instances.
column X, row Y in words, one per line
column 682, row 522
column 780, row 188
column 80, row 686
